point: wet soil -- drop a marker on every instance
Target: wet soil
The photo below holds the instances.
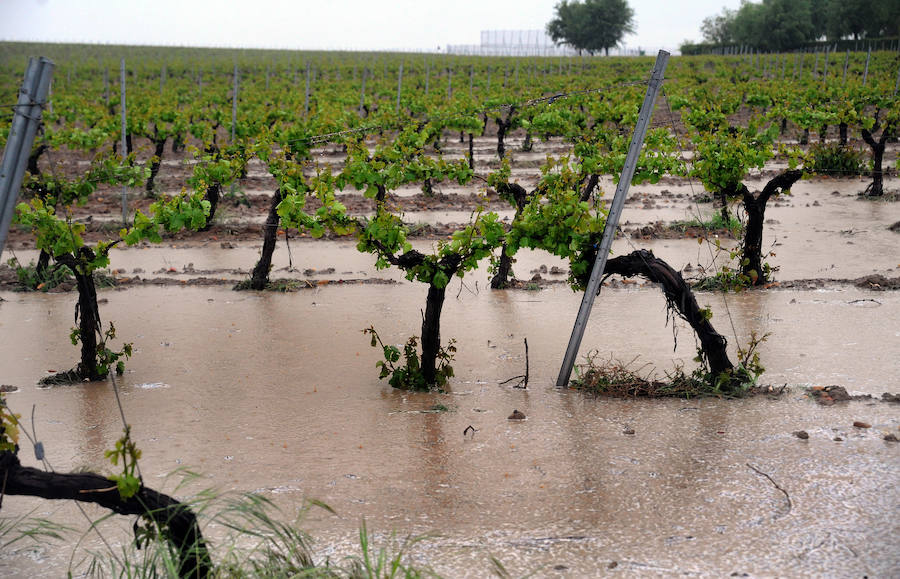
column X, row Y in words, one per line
column 581, row 485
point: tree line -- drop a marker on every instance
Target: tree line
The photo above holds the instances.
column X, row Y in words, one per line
column 779, row 25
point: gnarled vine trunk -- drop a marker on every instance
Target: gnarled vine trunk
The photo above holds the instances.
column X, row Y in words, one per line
column 500, row 280
column 431, row 332
column 503, row 126
column 876, row 187
column 680, row 298
column 213, row 195
column 755, row 207
column 87, row 313
column 589, row 186
column 260, row 277
column 158, row 146
column 183, row 532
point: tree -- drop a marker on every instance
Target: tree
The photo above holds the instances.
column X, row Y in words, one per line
column 774, row 25
column 591, row 25
column 719, row 29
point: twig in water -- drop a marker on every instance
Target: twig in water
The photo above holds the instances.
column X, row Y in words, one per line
column 462, row 285
column 468, row 428
column 522, row 378
column 777, row 486
column 287, row 242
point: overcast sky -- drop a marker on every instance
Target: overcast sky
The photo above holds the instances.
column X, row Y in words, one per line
column 322, row 24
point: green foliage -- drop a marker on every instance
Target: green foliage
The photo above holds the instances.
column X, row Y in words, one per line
column 9, row 428
column 836, row 159
column 614, row 378
column 30, row 279
column 106, row 357
column 186, row 210
column 126, row 451
column 559, row 222
column 730, row 275
column 724, row 155
column 384, row 565
column 746, row 374
column 591, row 25
column 408, row 375
column 56, row 190
column 53, row 235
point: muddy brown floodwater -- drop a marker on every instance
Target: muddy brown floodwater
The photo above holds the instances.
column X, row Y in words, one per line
column 278, row 394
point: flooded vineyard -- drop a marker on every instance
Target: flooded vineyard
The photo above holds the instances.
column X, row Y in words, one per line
column 277, row 394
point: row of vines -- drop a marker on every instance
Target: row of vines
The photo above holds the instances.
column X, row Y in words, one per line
column 389, row 115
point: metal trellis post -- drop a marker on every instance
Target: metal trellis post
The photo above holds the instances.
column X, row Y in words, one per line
column 124, row 139
column 612, row 220
column 26, row 119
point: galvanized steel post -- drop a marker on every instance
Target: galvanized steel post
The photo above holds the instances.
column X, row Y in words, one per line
column 612, row 220
column 124, row 139
column 24, row 126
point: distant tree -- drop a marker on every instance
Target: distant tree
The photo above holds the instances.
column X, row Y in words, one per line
column 592, row 25
column 818, row 10
column 774, row 24
column 719, row 29
column 862, row 18
column 848, row 18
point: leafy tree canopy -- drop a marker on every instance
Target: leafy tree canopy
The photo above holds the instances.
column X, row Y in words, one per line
column 788, row 24
column 592, row 25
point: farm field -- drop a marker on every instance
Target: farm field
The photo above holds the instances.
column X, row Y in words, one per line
column 277, row 393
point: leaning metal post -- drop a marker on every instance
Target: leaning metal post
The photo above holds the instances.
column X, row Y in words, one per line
column 26, row 119
column 612, row 220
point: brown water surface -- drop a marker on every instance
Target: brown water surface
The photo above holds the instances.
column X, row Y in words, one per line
column 278, row 394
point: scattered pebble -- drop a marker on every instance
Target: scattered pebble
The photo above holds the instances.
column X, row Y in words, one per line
column 628, row 431
column 860, row 424
column 802, row 434
column 891, row 437
column 516, row 415
column 838, row 439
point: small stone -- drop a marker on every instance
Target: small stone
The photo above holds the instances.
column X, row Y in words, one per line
column 612, row 565
column 536, row 277
column 891, row 437
column 802, row 435
column 838, row 439
column 860, row 424
column 516, row 415
column 838, row 393
column 628, row 431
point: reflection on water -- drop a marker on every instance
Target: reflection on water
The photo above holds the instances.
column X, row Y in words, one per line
column 279, row 393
